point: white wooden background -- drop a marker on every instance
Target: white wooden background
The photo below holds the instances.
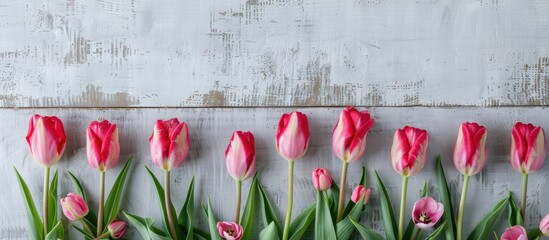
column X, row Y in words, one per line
column 238, row 65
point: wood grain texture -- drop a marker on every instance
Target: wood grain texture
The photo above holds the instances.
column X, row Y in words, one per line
column 210, row 131
column 174, row 53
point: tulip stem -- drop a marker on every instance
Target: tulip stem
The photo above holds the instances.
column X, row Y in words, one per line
column 524, row 192
column 104, row 235
column 342, row 186
column 462, row 207
column 290, row 200
column 167, row 203
column 238, row 198
column 402, row 207
column 45, row 201
column 418, row 231
column 101, row 202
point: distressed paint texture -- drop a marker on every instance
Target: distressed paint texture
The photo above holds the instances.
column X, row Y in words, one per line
column 119, row 53
column 210, row 131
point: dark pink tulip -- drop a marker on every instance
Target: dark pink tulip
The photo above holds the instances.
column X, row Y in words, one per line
column 74, row 207
column 359, row 192
column 409, row 150
column 427, row 212
column 117, row 229
column 292, row 137
column 169, row 144
column 229, row 230
column 240, row 155
column 46, row 139
column 516, row 232
column 103, row 146
column 349, row 134
column 528, row 147
column 470, row 152
column 322, row 179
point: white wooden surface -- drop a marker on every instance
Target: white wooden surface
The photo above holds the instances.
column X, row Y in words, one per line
column 211, row 129
column 119, row 53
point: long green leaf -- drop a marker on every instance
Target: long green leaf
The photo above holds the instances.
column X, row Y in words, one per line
column 324, row 226
column 91, row 216
column 514, row 216
column 483, row 228
column 445, row 197
column 386, row 210
column 302, row 222
column 186, row 215
column 350, row 204
column 437, row 231
column 247, row 219
column 212, row 222
column 411, row 226
column 52, row 202
column 269, row 233
column 36, row 228
column 53, row 234
column 267, row 209
column 534, row 233
column 366, row 232
column 140, row 224
column 86, row 234
column 333, row 194
column 112, row 205
column 201, row 234
column 345, row 227
column 160, row 194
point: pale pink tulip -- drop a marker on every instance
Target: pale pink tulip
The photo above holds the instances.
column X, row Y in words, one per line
column 229, row 230
column 103, row 146
column 359, row 192
column 292, row 137
column 470, row 152
column 349, row 134
column 322, row 179
column 409, row 150
column 516, row 232
column 427, row 212
column 46, row 139
column 169, row 144
column 528, row 147
column 74, row 207
column 240, row 155
column 117, row 229
column 544, row 225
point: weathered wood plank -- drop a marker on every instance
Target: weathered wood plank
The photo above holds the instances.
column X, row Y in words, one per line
column 210, row 132
column 118, row 53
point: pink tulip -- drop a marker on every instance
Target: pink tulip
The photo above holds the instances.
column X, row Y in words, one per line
column 470, row 151
column 103, row 147
column 528, row 147
column 322, row 179
column 544, row 225
column 74, row 207
column 169, row 143
column 292, row 137
column 349, row 134
column 229, row 230
column 117, row 229
column 359, row 192
column 409, row 150
column 516, row 232
column 240, row 155
column 46, row 139
column 427, row 212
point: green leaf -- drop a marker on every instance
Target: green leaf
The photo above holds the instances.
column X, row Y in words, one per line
column 410, row 229
column 247, row 219
column 386, row 210
column 437, row 231
column 140, row 224
column 366, row 232
column 482, row 230
column 112, row 205
column 162, row 200
column 514, row 217
column 52, row 235
column 212, row 222
column 445, row 197
column 350, row 204
column 186, row 215
column 324, row 227
column 302, row 222
column 52, row 203
column 269, row 233
column 534, row 233
column 267, row 209
column 333, row 194
column 86, row 234
column 91, row 216
column 345, row 227
column 201, row 234
column 36, row 228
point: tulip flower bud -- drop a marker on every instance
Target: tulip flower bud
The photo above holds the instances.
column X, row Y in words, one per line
column 349, row 134
column 46, row 139
column 528, row 147
column 516, row 232
column 169, row 144
column 240, row 155
column 427, row 212
column 117, row 229
column 322, row 179
column 470, row 152
column 409, row 150
column 229, row 230
column 292, row 137
column 103, row 146
column 544, row 225
column 359, row 192
column 74, row 207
